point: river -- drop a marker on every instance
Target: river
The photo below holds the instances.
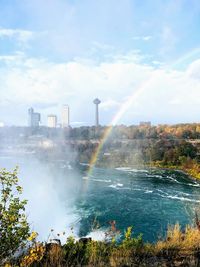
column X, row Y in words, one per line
column 67, row 199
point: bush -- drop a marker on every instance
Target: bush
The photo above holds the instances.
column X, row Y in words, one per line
column 14, row 228
column 132, row 242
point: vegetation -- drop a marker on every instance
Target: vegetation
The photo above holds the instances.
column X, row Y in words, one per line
column 14, row 229
column 162, row 146
column 180, row 248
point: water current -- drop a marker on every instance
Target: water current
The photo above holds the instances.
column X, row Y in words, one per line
column 67, row 199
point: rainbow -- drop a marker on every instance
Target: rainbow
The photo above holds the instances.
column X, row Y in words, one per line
column 131, row 100
column 124, row 107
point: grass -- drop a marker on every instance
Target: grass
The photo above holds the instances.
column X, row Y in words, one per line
column 179, row 248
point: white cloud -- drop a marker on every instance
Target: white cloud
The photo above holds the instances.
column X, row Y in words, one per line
column 19, row 36
column 143, row 38
column 102, row 46
column 167, row 94
column 157, row 62
column 193, row 70
column 108, row 104
column 22, row 35
column 147, row 38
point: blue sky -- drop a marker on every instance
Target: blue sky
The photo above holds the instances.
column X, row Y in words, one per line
column 57, row 52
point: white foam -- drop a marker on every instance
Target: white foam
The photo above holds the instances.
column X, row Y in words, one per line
column 173, row 179
column 97, row 235
column 154, row 176
column 139, row 170
column 96, row 180
column 180, row 198
column 69, row 167
column 101, row 180
column 148, row 191
column 157, row 176
column 181, row 193
column 195, row 185
column 64, row 166
column 123, row 169
column 129, row 169
column 113, row 186
column 84, row 164
column 137, row 189
column 116, row 186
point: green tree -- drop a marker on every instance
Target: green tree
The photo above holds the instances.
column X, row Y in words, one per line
column 14, row 228
column 186, row 149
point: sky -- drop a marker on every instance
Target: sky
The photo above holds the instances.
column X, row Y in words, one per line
column 140, row 58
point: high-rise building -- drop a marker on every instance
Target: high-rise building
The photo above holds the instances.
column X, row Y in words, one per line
column 33, row 118
column 65, row 116
column 52, row 121
column 30, row 116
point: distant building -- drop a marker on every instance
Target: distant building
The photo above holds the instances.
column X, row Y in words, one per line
column 96, row 102
column 65, row 116
column 52, row 121
column 34, row 118
column 145, row 123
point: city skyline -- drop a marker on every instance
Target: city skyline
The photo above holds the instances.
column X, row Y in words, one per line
column 62, row 52
column 34, row 118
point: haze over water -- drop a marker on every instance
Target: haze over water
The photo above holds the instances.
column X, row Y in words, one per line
column 63, row 198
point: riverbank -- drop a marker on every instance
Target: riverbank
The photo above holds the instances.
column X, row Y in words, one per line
column 191, row 168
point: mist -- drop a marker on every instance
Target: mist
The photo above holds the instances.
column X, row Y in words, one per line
column 51, row 186
column 51, row 197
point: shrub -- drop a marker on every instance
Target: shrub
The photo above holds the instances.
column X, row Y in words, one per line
column 131, row 242
column 14, row 228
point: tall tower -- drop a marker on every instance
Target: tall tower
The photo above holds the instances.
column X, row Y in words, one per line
column 97, row 102
column 65, row 116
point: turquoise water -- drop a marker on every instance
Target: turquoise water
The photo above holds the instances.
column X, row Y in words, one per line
column 147, row 200
column 61, row 197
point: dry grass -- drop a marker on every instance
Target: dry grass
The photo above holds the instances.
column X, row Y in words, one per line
column 54, row 255
column 184, row 241
column 180, row 248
